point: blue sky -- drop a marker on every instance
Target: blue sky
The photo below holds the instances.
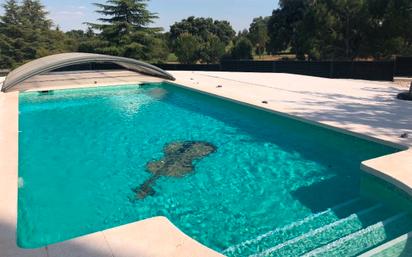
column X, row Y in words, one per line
column 70, row 14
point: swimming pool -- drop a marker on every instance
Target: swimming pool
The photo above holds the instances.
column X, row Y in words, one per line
column 84, row 160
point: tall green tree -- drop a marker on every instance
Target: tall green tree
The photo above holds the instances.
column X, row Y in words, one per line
column 241, row 34
column 389, row 30
column 125, row 30
column 10, row 35
column 34, row 15
column 203, row 28
column 10, row 21
column 243, row 49
column 187, row 48
column 258, row 34
column 26, row 33
column 212, row 37
column 36, row 29
column 348, row 24
column 212, row 50
column 341, row 29
column 286, row 27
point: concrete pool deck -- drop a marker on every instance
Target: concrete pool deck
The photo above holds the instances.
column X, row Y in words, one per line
column 366, row 109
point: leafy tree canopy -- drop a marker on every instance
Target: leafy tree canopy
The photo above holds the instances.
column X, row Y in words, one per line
column 187, row 48
column 341, row 29
column 203, row 28
column 125, row 31
column 242, row 49
column 123, row 18
column 211, row 36
column 311, row 29
column 213, row 50
column 26, row 33
column 258, row 34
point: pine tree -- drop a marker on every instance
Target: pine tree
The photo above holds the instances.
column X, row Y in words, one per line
column 37, row 29
column 11, row 33
column 125, row 27
column 26, row 33
column 34, row 16
column 10, row 17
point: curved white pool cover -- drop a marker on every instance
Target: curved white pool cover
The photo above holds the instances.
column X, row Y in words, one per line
column 57, row 61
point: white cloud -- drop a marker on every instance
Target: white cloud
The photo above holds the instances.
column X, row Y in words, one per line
column 69, row 13
column 68, row 18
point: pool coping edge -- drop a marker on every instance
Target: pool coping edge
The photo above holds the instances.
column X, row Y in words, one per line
column 395, row 175
column 120, row 241
column 378, row 167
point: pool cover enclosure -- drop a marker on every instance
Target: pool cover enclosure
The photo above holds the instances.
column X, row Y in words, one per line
column 58, row 61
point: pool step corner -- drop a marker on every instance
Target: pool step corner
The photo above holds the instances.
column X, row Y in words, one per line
column 313, row 222
column 367, row 238
column 338, row 231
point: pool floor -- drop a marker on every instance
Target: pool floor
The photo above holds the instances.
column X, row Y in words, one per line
column 83, row 153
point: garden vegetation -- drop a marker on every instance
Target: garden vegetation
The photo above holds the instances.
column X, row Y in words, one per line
column 307, row 29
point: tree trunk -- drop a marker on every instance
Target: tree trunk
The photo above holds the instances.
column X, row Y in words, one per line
column 347, row 36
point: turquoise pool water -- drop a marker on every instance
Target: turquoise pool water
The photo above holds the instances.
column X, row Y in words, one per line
column 82, row 152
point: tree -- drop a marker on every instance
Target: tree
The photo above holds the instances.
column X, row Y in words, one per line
column 10, row 35
column 211, row 38
column 285, row 26
column 26, row 33
column 389, row 30
column 124, row 30
column 224, row 31
column 33, row 15
column 154, row 48
column 212, row 50
column 122, row 18
column 203, row 28
column 242, row 49
column 348, row 25
column 241, row 34
column 258, row 34
column 187, row 48
column 36, row 28
column 341, row 29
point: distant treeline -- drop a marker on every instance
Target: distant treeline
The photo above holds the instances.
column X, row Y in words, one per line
column 342, row 29
column 310, row 29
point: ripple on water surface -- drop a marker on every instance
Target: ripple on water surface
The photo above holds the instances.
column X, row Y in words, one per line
column 82, row 152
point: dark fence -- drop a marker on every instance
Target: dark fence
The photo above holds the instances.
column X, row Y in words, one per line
column 369, row 70
column 403, row 67
column 189, row 67
column 376, row 70
column 4, row 72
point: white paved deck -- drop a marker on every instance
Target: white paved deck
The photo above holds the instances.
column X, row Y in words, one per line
column 367, row 109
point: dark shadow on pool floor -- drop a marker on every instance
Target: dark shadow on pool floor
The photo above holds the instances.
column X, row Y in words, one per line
column 327, row 193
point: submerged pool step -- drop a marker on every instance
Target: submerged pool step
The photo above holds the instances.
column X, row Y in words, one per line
column 365, row 239
column 399, row 246
column 296, row 229
column 329, row 232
